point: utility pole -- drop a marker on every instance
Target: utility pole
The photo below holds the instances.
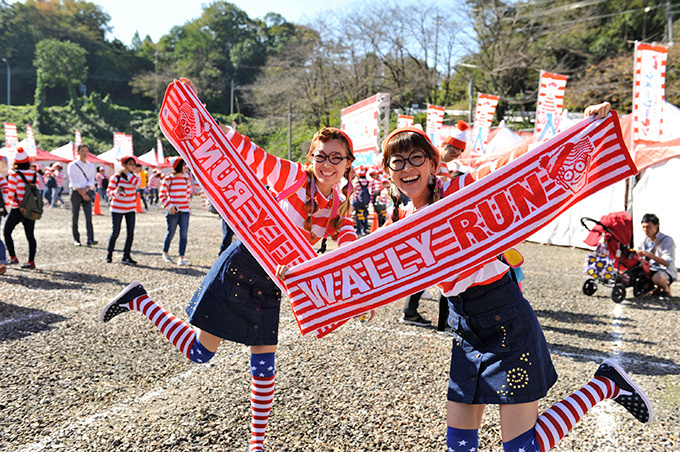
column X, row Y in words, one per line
column 9, row 84
column 470, row 100
column 669, row 22
column 231, row 110
column 290, row 131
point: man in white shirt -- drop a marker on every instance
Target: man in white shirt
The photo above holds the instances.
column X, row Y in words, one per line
column 81, row 176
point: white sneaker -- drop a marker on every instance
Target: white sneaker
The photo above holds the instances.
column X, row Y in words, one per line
column 168, row 259
column 182, row 261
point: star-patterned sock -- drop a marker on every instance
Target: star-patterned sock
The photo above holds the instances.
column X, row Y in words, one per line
column 262, row 397
column 176, row 331
column 559, row 419
column 199, row 354
column 458, row 440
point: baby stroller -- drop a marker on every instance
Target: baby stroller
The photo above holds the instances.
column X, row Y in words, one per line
column 614, row 264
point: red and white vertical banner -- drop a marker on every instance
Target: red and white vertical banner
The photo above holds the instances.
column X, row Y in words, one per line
column 31, row 148
column 462, row 231
column 160, row 158
column 78, row 139
column 435, row 119
column 233, row 188
column 404, row 121
column 11, row 136
column 486, row 108
column 549, row 105
column 366, row 123
column 649, row 92
column 128, row 145
column 119, row 144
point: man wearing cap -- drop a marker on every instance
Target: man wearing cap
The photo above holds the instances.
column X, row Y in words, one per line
column 454, row 145
column 81, row 176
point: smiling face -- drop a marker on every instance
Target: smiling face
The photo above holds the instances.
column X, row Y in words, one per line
column 327, row 173
column 410, row 160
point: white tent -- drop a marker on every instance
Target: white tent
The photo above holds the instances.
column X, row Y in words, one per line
column 65, row 151
column 150, row 158
column 503, row 138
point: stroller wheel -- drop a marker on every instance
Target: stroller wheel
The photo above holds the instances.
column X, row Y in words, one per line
column 639, row 286
column 589, row 287
column 618, row 293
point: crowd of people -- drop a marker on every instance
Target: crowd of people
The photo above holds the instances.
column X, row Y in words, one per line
column 90, row 187
column 499, row 354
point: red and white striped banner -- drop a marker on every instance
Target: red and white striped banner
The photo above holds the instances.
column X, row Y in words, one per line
column 649, row 92
column 78, row 142
column 237, row 194
column 160, row 158
column 486, row 108
column 404, row 121
column 462, row 231
column 435, row 119
column 549, row 106
column 31, row 148
column 366, row 122
column 11, row 136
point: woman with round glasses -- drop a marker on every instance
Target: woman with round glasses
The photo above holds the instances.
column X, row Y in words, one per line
column 237, row 301
column 499, row 354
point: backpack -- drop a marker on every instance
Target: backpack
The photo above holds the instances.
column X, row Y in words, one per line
column 364, row 196
column 31, row 206
column 51, row 182
column 105, row 183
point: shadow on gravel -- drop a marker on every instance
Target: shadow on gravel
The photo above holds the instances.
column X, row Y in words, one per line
column 638, row 363
column 570, row 317
column 57, row 279
column 599, row 336
column 17, row 322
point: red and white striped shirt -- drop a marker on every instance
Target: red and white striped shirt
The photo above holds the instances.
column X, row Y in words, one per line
column 279, row 174
column 59, row 176
column 4, row 187
column 478, row 276
column 40, row 182
column 123, row 202
column 17, row 187
column 154, row 181
column 176, row 192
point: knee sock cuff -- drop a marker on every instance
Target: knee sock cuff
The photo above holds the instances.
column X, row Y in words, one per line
column 199, row 354
column 525, row 441
column 463, row 440
column 262, row 365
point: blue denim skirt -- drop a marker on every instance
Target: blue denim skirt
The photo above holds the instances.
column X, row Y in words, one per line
column 499, row 353
column 237, row 300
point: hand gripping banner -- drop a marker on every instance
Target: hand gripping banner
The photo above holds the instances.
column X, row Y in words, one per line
column 462, row 231
column 237, row 194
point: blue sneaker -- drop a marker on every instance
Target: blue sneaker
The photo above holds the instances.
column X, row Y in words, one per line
column 632, row 397
column 120, row 303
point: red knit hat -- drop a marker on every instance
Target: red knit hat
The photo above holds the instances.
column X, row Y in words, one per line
column 175, row 162
column 21, row 156
column 459, row 137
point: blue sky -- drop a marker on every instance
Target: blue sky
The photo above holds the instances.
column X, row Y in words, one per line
column 155, row 18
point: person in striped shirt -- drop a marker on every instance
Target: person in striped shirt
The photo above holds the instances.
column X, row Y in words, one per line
column 122, row 191
column 15, row 194
column 59, row 178
column 499, row 353
column 175, row 194
column 4, row 188
column 154, row 184
column 237, row 301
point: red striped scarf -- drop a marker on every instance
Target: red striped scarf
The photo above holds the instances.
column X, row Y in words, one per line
column 462, row 231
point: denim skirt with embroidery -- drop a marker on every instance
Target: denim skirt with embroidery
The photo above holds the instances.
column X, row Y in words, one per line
column 499, row 353
column 237, row 300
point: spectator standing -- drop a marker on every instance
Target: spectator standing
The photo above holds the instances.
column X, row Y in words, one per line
column 4, row 188
column 102, row 184
column 175, row 194
column 122, row 191
column 143, row 175
column 81, row 176
column 50, row 185
column 361, row 199
column 59, row 178
column 15, row 194
column 154, row 184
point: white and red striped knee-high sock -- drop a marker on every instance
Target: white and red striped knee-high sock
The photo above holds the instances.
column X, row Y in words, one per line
column 559, row 419
column 262, row 396
column 175, row 330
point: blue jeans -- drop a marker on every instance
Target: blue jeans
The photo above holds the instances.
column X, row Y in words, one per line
column 116, row 219
column 3, row 251
column 181, row 218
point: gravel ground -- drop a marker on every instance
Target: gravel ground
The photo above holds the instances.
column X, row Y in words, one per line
column 70, row 383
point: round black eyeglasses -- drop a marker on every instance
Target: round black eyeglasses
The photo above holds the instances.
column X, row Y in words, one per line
column 334, row 158
column 415, row 158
